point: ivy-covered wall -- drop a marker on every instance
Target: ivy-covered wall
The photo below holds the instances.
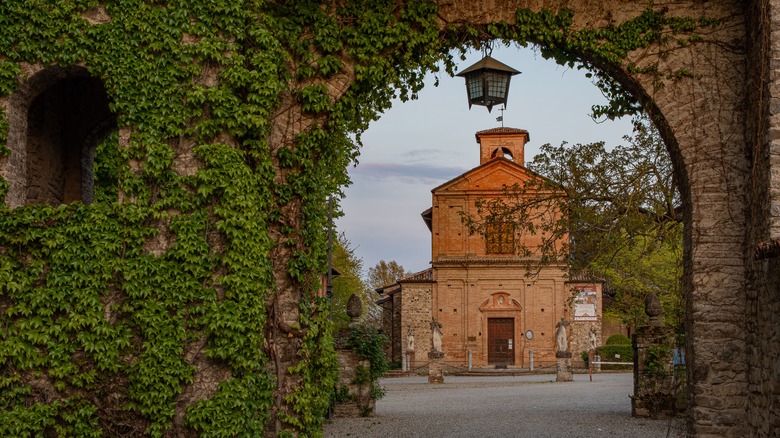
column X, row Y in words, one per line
column 181, row 301
column 184, row 303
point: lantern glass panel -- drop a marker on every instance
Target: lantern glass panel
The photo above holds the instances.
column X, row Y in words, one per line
column 497, row 84
column 475, row 86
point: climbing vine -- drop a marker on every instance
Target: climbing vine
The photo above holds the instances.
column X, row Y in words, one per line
column 369, row 345
column 603, row 51
column 183, row 298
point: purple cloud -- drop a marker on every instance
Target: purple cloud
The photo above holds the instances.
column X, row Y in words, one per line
column 409, row 173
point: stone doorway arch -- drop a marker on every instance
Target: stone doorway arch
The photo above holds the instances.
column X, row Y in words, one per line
column 58, row 118
column 708, row 122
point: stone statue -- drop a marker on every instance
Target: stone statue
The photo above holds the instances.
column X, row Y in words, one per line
column 561, row 340
column 410, row 340
column 592, row 339
column 437, row 335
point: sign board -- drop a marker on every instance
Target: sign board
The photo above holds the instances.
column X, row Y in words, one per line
column 585, row 299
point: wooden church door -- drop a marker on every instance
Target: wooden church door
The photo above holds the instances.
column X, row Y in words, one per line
column 501, row 340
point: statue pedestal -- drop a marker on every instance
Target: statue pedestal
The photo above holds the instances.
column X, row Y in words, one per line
column 563, row 367
column 436, row 367
column 592, row 357
column 654, row 380
column 410, row 360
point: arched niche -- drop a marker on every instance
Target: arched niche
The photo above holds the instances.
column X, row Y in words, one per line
column 57, row 119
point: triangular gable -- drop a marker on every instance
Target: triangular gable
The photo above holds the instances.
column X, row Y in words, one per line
column 493, row 175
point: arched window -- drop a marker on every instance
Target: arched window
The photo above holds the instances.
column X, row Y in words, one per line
column 58, row 118
column 502, row 152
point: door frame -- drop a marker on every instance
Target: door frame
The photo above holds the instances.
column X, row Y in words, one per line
column 510, row 355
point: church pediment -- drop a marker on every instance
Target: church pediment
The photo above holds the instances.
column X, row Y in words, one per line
column 494, row 175
column 500, row 301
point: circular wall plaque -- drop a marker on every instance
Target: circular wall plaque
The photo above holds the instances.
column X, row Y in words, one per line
column 529, row 334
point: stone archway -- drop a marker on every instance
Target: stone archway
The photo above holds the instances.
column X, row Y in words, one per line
column 703, row 119
column 714, row 99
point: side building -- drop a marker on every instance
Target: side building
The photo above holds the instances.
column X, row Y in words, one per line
column 489, row 303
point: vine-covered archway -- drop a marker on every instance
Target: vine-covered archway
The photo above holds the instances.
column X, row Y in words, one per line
column 188, row 306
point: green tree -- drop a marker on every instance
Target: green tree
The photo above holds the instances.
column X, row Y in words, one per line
column 382, row 274
column 614, row 212
column 646, row 265
column 385, row 273
column 612, row 197
column 349, row 281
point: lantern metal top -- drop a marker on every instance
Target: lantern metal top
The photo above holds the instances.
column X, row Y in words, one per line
column 488, row 63
column 487, row 82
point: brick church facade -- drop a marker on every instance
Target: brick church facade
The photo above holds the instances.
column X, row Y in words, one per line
column 477, row 287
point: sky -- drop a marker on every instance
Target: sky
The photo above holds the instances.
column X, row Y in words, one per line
column 417, row 145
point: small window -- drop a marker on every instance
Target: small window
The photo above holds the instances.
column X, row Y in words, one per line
column 500, row 237
column 502, row 152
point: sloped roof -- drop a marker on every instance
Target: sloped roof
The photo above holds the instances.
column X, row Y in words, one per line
column 422, row 276
column 418, row 277
column 583, row 276
column 498, row 161
column 491, row 63
column 502, row 131
column 427, row 217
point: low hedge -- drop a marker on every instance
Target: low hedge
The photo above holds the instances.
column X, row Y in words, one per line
column 618, row 339
column 616, row 353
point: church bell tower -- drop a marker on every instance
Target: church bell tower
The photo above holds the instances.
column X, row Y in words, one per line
column 502, row 142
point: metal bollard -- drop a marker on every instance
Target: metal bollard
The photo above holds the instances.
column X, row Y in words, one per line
column 531, row 359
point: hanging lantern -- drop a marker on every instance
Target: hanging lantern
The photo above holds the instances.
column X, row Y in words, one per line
column 487, row 82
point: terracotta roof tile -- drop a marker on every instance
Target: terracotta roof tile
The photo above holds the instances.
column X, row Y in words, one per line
column 502, row 131
column 426, row 275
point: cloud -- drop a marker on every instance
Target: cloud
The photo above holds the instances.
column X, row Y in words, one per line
column 421, row 154
column 408, row 173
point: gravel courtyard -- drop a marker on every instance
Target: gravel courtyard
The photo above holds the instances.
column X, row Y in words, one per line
column 503, row 406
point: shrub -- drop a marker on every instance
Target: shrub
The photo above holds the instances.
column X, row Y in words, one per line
column 618, row 339
column 369, row 344
column 616, row 353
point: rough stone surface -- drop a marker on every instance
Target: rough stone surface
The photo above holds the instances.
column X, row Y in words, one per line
column 416, row 300
column 653, row 392
column 435, row 367
column 563, row 371
column 360, row 403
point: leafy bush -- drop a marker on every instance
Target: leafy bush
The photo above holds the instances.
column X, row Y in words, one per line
column 616, row 353
column 369, row 344
column 618, row 339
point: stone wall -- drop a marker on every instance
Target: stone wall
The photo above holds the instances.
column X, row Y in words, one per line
column 579, row 339
column 416, row 300
column 391, row 325
column 762, row 316
column 653, row 369
column 359, row 403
